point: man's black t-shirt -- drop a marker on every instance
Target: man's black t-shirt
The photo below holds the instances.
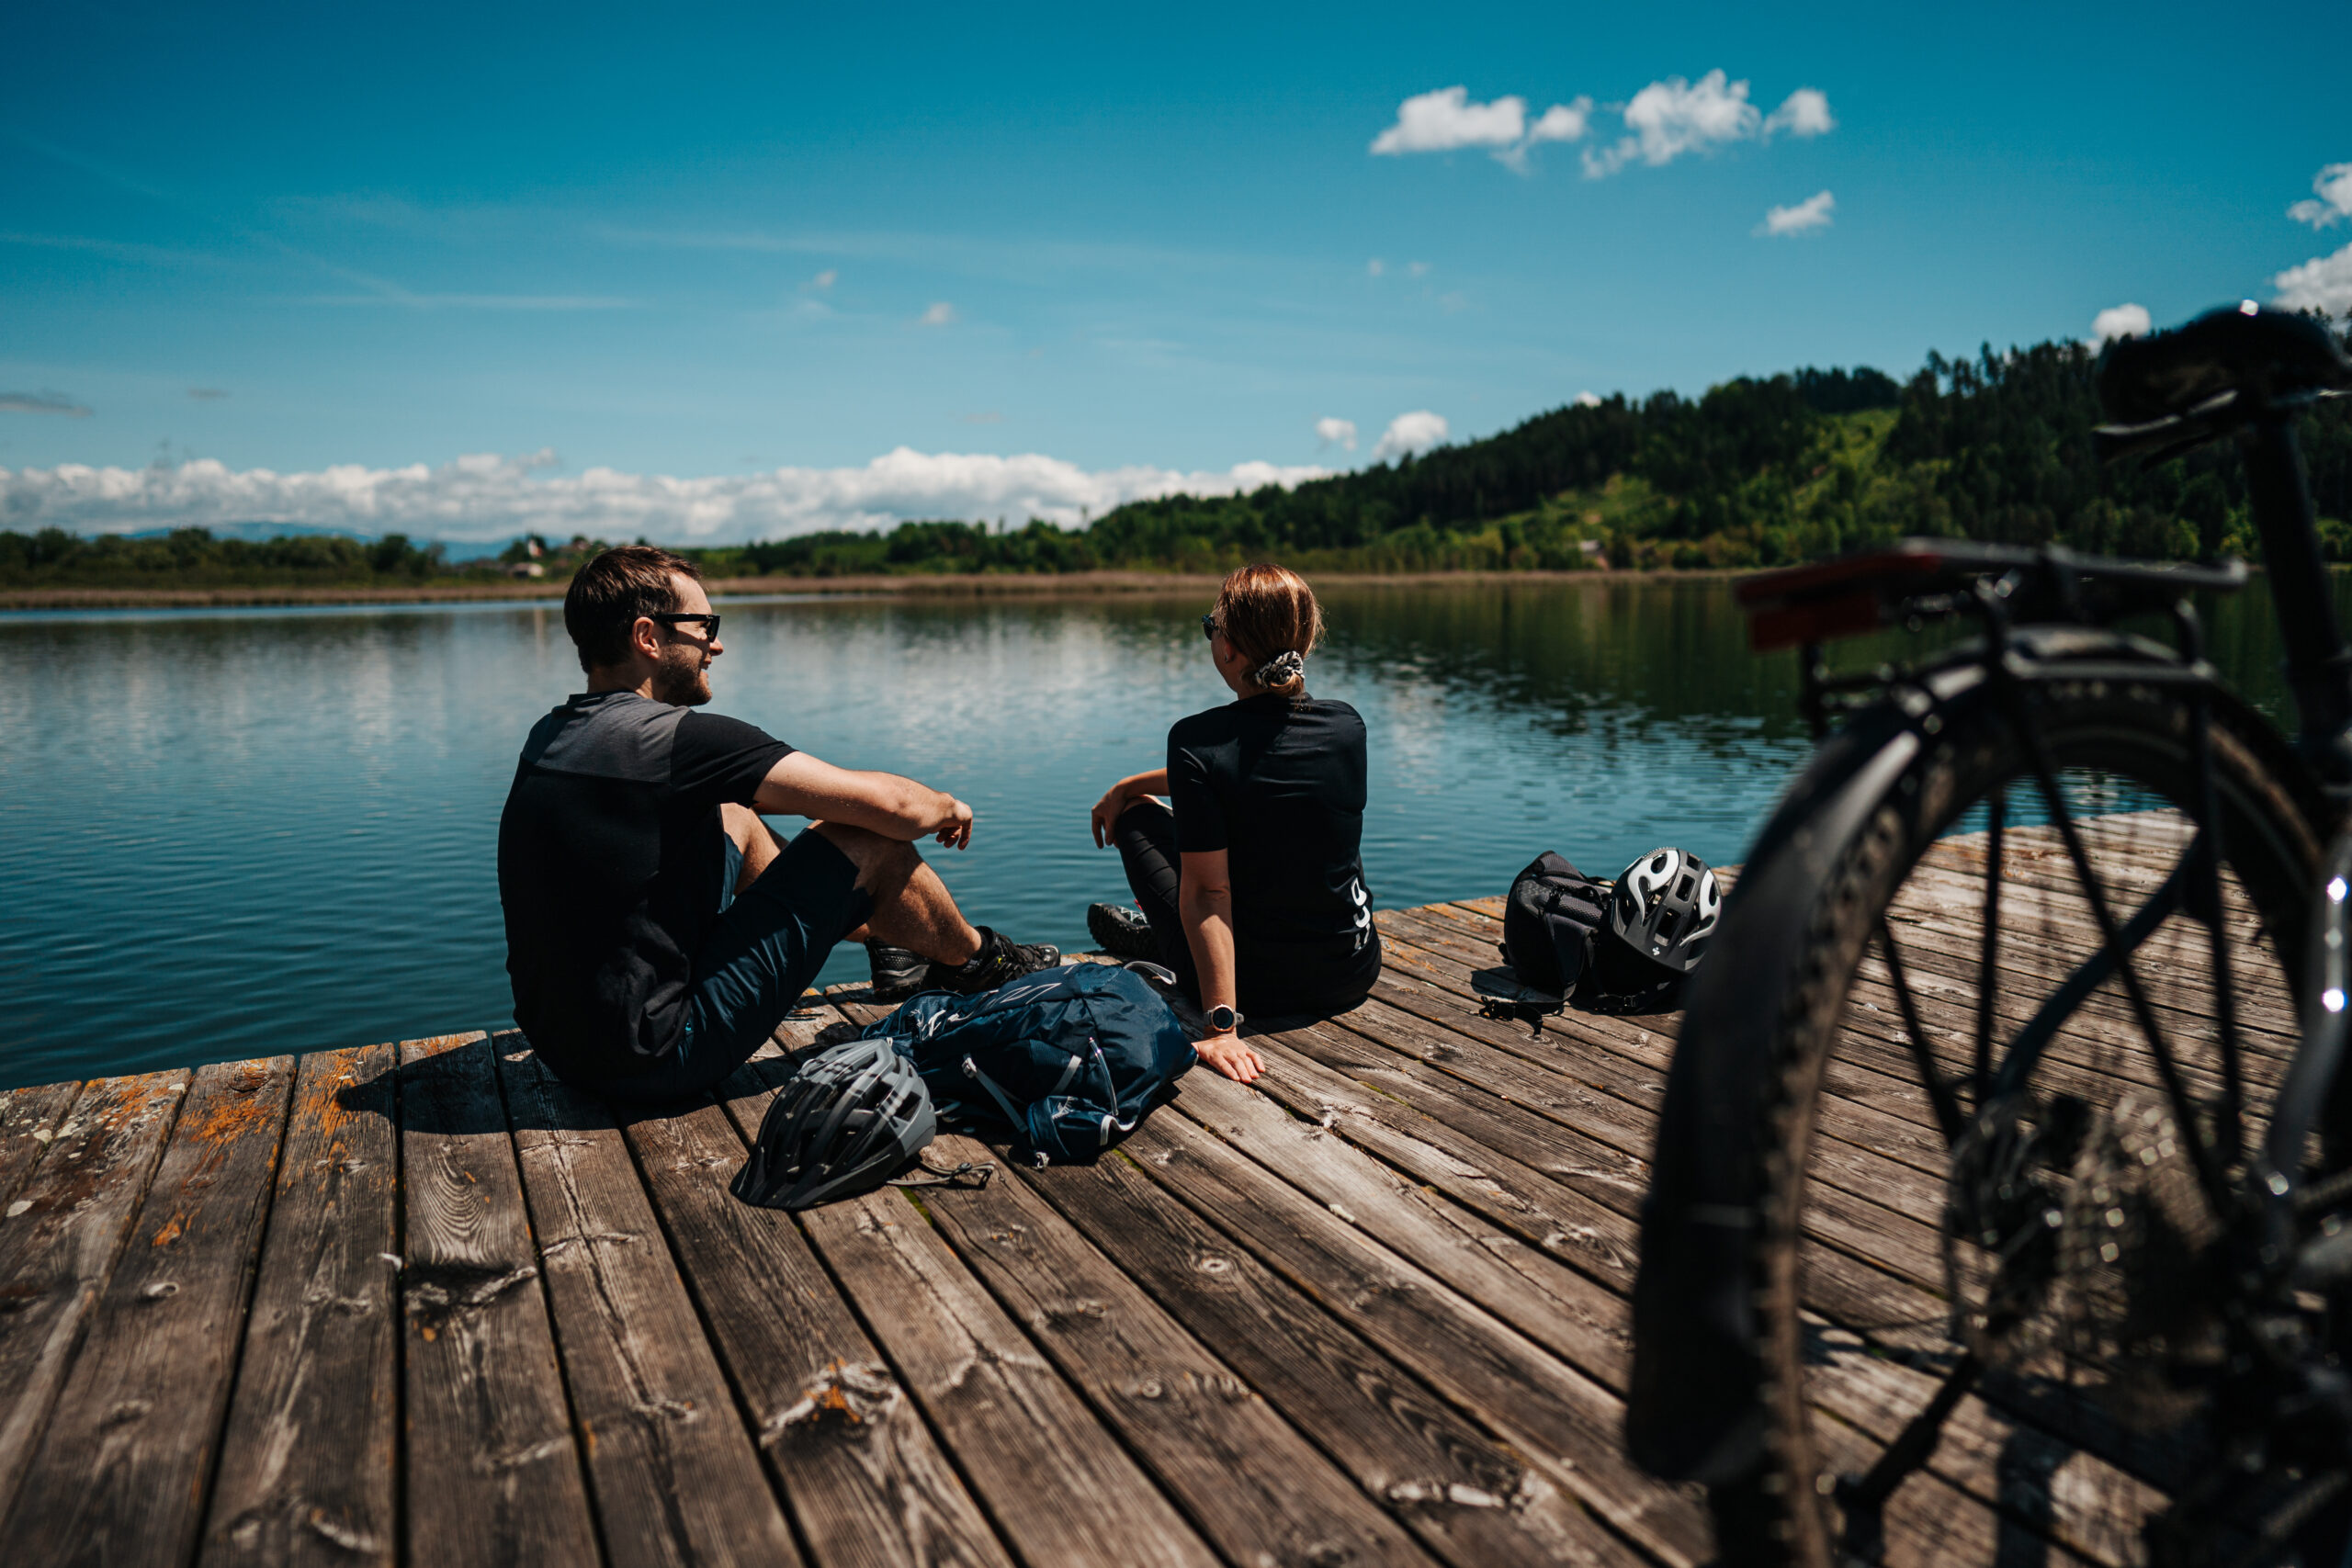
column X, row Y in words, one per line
column 611, row 858
column 1278, row 783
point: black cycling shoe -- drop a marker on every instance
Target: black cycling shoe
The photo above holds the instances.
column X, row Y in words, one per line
column 1121, row 931
column 897, row 974
column 998, row 962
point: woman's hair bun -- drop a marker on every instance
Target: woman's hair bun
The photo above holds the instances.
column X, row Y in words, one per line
column 1281, row 669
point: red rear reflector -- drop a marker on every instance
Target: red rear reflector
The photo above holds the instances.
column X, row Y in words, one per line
column 1820, row 620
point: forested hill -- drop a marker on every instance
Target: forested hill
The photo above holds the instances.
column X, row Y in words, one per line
column 1758, row 471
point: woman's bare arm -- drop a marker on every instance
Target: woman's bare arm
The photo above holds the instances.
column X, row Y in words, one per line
column 1119, row 796
column 1205, row 905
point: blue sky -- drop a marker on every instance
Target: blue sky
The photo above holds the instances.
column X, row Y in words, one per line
column 464, row 269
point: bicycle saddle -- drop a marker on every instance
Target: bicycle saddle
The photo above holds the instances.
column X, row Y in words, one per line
column 2262, row 354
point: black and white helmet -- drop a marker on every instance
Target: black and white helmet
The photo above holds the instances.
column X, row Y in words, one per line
column 1665, row 906
column 848, row 1120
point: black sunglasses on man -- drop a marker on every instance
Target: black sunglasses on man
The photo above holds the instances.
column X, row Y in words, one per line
column 678, row 618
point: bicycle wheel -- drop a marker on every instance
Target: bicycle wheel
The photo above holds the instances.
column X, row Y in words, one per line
column 1988, row 1283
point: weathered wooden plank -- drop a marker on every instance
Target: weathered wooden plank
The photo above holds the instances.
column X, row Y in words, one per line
column 307, row 1459
column 1519, row 1199
column 28, row 1123
column 1557, row 1307
column 494, row 1474
column 1060, row 1487
column 122, row 1470
column 676, row 1477
column 865, row 1479
column 1464, row 1492
column 60, row 1238
column 1251, row 1484
column 1557, row 1418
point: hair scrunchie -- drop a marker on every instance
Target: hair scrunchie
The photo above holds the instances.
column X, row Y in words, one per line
column 1281, row 669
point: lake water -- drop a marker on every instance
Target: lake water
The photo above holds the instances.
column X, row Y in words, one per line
column 232, row 833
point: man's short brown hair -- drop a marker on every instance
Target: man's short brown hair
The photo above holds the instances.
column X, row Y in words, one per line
column 609, row 593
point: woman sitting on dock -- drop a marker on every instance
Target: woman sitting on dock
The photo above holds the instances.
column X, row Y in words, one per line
column 1251, row 887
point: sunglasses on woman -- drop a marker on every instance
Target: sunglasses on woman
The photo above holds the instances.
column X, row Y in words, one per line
column 1208, row 625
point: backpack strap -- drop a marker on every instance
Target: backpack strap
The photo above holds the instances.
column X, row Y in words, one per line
column 1004, row 1102
column 965, row 1174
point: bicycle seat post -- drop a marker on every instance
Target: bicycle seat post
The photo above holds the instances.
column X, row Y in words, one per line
column 2318, row 665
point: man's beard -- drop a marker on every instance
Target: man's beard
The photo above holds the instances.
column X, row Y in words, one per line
column 680, row 679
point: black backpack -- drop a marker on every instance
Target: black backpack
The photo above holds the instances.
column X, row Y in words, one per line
column 1550, row 923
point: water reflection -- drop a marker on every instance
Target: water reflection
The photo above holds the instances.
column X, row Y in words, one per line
column 224, row 833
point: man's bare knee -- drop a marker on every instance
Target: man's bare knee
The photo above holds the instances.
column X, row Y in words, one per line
column 742, row 824
column 878, row 859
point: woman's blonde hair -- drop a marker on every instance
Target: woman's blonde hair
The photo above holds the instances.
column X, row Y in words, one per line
column 1267, row 612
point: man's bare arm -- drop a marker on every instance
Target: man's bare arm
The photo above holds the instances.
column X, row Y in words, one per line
column 803, row 785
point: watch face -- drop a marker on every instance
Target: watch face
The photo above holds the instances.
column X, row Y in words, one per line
column 1223, row 1017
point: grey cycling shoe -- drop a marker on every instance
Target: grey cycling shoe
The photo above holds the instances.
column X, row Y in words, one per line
column 1121, row 931
column 1000, row 961
column 897, row 974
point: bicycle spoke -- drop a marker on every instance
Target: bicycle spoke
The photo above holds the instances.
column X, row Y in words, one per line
column 2209, row 1172
column 2025, row 1051
column 1987, row 976
column 1939, row 1095
column 1912, row 1447
column 2225, row 1012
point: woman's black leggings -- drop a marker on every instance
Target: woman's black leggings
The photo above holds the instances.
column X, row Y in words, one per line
column 1320, row 979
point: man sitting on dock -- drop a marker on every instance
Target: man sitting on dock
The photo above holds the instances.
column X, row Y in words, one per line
column 657, row 930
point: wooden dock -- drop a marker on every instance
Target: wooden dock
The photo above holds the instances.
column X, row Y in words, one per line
column 424, row 1304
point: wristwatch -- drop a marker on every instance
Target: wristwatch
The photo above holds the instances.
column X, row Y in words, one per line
column 1223, row 1019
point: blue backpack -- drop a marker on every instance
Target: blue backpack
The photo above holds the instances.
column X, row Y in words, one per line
column 1068, row 1061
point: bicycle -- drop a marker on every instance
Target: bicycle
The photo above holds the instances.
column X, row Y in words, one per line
column 2004, row 1136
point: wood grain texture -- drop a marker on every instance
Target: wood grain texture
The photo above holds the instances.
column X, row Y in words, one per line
column 121, row 1472
column 1251, row 1482
column 677, row 1479
column 1559, row 1418
column 307, row 1459
column 1465, row 1494
column 59, row 1238
column 1060, row 1487
column 493, row 1471
column 29, row 1119
column 865, row 1480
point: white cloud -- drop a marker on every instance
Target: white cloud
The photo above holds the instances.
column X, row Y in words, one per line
column 1588, row 399
column 1331, row 432
column 1415, row 431
column 1804, row 112
column 2334, row 186
column 487, row 496
column 941, row 314
column 2118, row 320
column 1417, row 269
column 1813, row 212
column 1563, row 122
column 2323, row 282
column 1669, row 118
column 1447, row 121
column 825, row 279
column 1375, row 267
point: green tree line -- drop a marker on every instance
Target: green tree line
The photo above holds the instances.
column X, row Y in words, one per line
column 1759, row 471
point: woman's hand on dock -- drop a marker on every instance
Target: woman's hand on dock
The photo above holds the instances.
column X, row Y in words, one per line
column 1229, row 1056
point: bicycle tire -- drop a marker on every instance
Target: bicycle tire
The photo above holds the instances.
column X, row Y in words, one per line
column 1886, row 805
